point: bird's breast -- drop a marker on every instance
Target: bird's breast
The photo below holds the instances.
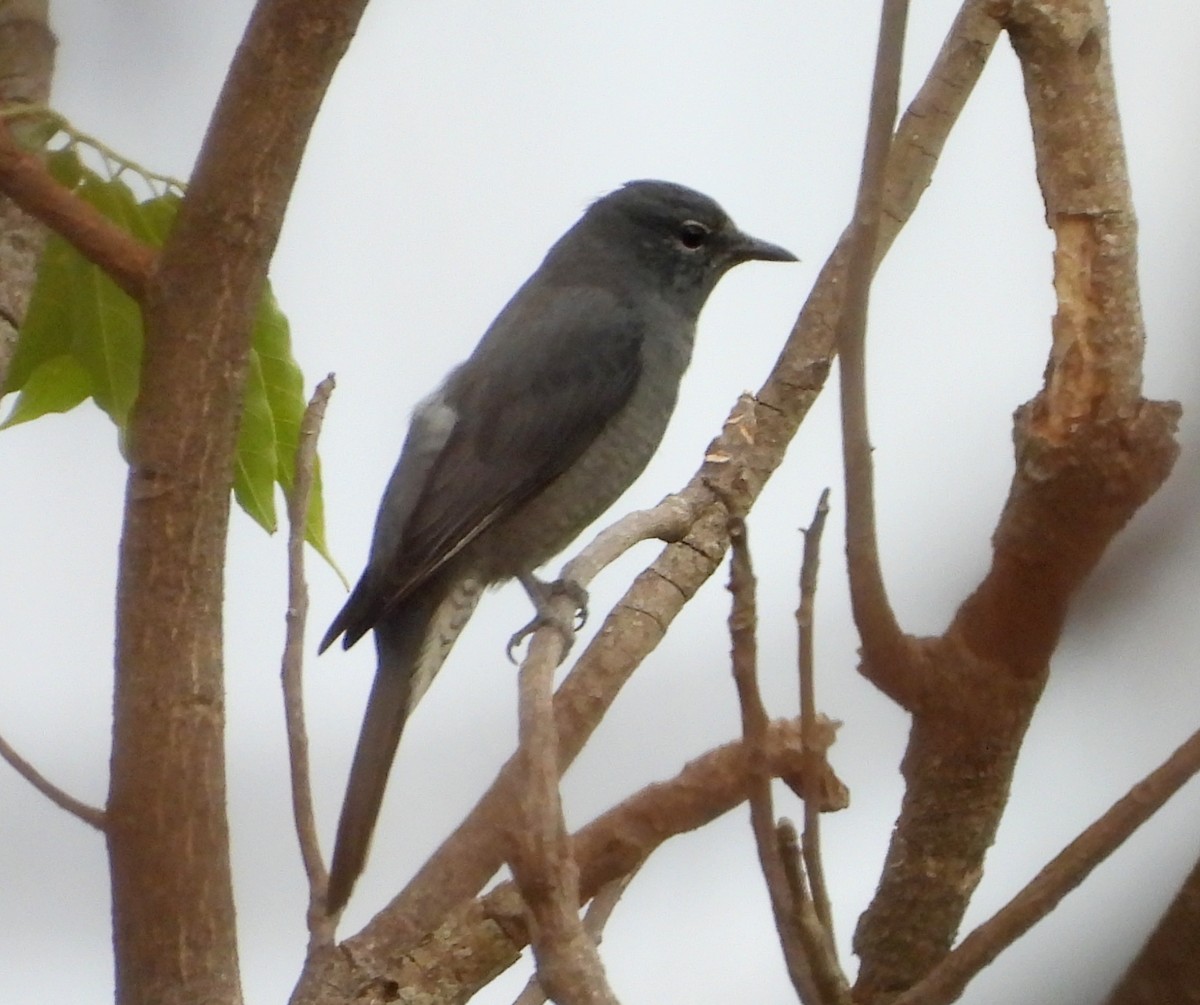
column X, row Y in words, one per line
column 552, row 519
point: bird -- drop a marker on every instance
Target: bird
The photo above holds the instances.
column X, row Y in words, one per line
column 556, row 412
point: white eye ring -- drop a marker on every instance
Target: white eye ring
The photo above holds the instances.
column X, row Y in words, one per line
column 693, row 234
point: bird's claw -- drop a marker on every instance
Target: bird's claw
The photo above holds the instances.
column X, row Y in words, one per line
column 541, row 594
column 520, row 636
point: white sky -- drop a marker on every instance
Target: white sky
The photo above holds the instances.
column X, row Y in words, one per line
column 457, row 142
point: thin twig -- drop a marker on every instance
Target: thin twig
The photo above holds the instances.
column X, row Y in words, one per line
column 603, row 905
column 91, row 815
column 670, row 520
column 743, row 625
column 1067, row 870
column 115, row 163
column 881, row 634
column 817, row 939
column 815, row 756
column 319, row 925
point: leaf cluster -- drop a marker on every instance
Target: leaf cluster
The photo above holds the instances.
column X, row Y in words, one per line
column 82, row 338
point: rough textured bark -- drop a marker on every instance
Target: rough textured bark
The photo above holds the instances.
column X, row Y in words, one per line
column 174, row 930
column 26, row 65
column 1089, row 452
column 1168, row 967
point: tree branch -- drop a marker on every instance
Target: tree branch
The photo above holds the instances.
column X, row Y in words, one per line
column 743, row 628
column 568, row 964
column 175, row 929
column 882, row 640
column 598, row 913
column 320, row 925
column 25, row 180
column 1069, row 868
column 1089, row 453
column 27, row 47
column 478, row 939
column 90, row 815
column 817, row 939
column 809, row 566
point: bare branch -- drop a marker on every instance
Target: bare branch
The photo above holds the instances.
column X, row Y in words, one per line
column 1069, row 868
column 743, row 628
column 669, row 521
column 543, row 866
column 167, row 808
column 480, row 938
column 882, row 639
column 809, row 566
column 320, row 926
column 594, row 920
column 819, row 947
column 25, row 180
column 91, row 815
column 603, row 904
column 1089, row 453
column 569, row 967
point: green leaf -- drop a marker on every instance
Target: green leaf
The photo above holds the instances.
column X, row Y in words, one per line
column 255, row 465
column 65, row 167
column 284, row 385
column 106, row 328
column 75, row 309
column 33, row 131
column 46, row 332
column 57, row 385
column 157, row 216
column 82, row 337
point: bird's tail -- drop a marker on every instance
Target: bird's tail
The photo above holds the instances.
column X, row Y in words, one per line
column 412, row 642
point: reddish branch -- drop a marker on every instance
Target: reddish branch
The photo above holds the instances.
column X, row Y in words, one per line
column 175, row 936
column 25, row 180
column 1090, row 451
column 945, row 983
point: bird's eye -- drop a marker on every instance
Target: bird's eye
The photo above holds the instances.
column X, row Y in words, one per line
column 693, row 234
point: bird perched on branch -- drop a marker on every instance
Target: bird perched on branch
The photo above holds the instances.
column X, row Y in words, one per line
column 557, row 411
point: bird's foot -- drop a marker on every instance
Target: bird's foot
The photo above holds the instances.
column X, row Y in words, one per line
column 541, row 594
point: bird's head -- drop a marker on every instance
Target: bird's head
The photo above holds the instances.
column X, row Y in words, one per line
column 679, row 237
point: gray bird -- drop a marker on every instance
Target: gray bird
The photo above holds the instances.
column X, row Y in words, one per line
column 557, row 411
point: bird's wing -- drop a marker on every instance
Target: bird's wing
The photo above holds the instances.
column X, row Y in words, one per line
column 541, row 386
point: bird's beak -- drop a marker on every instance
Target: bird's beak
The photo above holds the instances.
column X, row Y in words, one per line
column 745, row 248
